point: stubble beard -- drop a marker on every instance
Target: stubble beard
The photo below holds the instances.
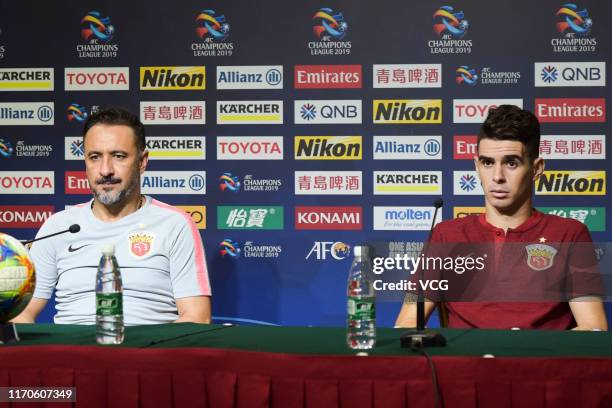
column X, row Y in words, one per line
column 112, row 198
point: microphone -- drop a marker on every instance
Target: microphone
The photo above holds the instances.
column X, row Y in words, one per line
column 420, row 337
column 73, row 229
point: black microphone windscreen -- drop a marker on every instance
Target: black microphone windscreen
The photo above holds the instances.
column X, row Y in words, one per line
column 438, row 203
column 74, row 228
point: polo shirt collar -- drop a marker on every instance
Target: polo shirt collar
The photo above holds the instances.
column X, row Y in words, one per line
column 532, row 221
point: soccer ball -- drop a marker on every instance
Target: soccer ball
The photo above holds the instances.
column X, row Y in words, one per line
column 17, row 278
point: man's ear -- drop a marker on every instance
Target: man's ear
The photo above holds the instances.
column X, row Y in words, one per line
column 144, row 159
column 538, row 168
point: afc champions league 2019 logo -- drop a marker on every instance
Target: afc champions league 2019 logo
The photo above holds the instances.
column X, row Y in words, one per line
column 328, row 25
column 76, row 113
column 451, row 27
column 448, row 23
column 466, row 75
column 574, row 25
column 573, row 22
column 97, row 31
column 6, row 149
column 229, row 248
column 96, row 28
column 228, row 182
column 329, row 28
column 212, row 25
column 213, row 29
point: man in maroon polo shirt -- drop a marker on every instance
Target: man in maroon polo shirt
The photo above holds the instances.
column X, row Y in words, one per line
column 508, row 166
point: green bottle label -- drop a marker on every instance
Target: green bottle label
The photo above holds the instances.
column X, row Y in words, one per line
column 361, row 308
column 109, row 304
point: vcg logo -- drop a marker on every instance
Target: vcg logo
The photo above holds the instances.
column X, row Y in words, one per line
column 557, row 74
column 587, row 182
column 328, row 218
column 172, row 78
column 26, row 79
column 249, row 148
column 328, row 148
column 407, row 147
column 97, row 79
column 476, row 110
column 407, row 111
column 173, row 182
column 319, row 111
column 26, row 113
column 321, row 250
column 250, row 77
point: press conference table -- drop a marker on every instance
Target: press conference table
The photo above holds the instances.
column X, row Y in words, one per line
column 190, row 365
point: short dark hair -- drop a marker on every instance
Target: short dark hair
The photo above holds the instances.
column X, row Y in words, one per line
column 117, row 116
column 509, row 122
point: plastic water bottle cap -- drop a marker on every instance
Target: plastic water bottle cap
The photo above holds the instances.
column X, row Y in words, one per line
column 360, row 250
column 108, row 249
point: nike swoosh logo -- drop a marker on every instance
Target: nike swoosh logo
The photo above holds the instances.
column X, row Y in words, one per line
column 71, row 249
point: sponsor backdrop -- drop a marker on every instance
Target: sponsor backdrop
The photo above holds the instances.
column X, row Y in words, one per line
column 291, row 138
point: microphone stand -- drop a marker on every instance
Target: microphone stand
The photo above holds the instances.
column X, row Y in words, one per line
column 74, row 228
column 420, row 337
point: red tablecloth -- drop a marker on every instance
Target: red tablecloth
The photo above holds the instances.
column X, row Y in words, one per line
column 200, row 377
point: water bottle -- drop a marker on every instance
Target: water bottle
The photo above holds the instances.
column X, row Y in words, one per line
column 109, row 299
column 361, row 316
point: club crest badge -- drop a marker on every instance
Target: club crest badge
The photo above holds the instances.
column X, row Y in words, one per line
column 540, row 256
column 141, row 244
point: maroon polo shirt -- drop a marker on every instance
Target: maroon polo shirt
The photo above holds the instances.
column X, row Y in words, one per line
column 520, row 272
